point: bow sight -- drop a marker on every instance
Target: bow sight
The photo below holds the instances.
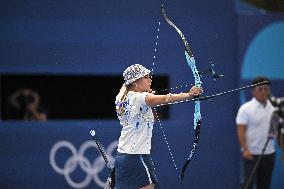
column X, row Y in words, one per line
column 212, row 72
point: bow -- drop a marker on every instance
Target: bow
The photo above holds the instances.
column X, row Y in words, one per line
column 197, row 115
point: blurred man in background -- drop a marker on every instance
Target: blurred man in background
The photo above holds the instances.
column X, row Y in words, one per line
column 255, row 136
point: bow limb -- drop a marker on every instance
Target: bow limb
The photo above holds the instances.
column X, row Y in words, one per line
column 187, row 47
column 197, row 114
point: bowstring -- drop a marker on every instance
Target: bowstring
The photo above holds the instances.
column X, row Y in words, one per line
column 155, row 108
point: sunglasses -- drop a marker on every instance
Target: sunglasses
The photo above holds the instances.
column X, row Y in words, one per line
column 262, row 88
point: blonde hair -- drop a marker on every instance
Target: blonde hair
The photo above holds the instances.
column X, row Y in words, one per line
column 121, row 108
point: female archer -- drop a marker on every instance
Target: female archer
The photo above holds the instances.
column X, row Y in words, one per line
column 133, row 165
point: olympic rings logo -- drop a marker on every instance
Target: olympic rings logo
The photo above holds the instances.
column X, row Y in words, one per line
column 92, row 170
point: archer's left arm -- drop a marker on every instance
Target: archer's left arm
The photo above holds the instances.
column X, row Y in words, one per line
column 154, row 100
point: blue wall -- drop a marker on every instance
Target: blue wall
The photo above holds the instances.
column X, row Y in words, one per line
column 104, row 37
